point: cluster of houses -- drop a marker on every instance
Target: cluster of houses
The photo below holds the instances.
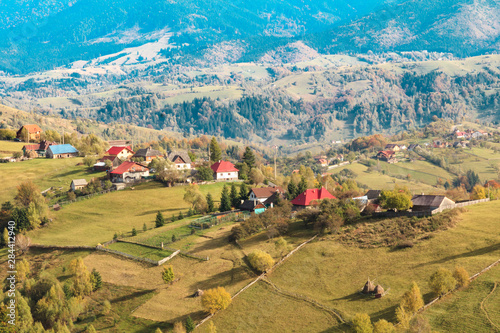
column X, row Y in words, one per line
column 324, row 161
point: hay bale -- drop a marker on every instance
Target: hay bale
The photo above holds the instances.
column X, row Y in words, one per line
column 379, row 290
column 368, row 288
column 198, row 293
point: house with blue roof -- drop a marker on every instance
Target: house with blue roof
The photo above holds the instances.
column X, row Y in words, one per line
column 62, row 151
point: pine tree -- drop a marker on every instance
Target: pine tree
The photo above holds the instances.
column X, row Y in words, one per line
column 243, row 192
column 144, row 227
column 160, row 221
column 235, row 200
column 215, row 151
column 134, row 231
column 302, row 185
column 210, row 203
column 181, row 216
column 96, row 280
column 249, row 157
column 292, row 190
column 168, row 274
column 174, row 238
column 190, row 325
column 225, row 202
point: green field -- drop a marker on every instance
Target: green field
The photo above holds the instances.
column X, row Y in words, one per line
column 421, row 171
column 96, row 220
column 44, row 172
column 11, row 146
column 140, row 251
column 475, row 309
column 333, row 274
column 376, row 180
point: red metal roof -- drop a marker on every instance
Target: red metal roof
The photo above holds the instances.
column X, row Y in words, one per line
column 32, row 147
column 304, row 199
column 223, row 166
column 127, row 166
column 116, row 150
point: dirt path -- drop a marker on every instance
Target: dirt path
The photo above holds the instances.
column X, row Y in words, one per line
column 483, row 307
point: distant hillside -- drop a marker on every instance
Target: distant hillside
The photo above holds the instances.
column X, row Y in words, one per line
column 464, row 28
column 86, row 29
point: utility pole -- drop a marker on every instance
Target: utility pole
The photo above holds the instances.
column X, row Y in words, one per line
column 275, row 170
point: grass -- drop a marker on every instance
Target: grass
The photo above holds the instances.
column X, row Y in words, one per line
column 462, row 311
column 96, row 220
column 333, row 274
column 421, row 171
column 11, row 146
column 140, row 251
column 44, row 173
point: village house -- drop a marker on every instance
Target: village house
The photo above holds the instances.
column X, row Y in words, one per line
column 309, row 197
column 129, row 172
column 431, row 202
column 224, row 170
column 62, row 151
column 78, row 184
column 373, row 195
column 413, row 146
column 261, row 194
column 181, row 160
column 38, row 149
column 387, row 155
column 33, row 131
column 254, row 206
column 323, row 162
column 148, row 154
column 392, row 146
column 123, row 153
column 101, row 165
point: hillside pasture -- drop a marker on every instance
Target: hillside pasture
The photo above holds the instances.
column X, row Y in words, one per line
column 333, row 274
column 45, row 173
column 96, row 220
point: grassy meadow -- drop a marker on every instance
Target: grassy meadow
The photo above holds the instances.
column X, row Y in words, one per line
column 333, row 274
column 44, row 172
column 96, row 220
column 140, row 251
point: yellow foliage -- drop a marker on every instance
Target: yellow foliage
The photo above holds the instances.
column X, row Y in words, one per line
column 215, row 299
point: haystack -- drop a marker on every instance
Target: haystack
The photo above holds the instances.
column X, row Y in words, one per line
column 368, row 288
column 198, row 293
column 379, row 290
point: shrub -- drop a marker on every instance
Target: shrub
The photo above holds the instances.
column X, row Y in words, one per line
column 412, row 299
column 362, row 323
column 215, row 299
column 190, row 325
column 461, row 276
column 134, row 232
column 383, row 326
column 442, row 281
column 106, row 307
column 168, row 274
column 260, row 260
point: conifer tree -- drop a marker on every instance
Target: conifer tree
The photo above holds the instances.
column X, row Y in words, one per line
column 96, row 280
column 243, row 192
column 225, row 202
column 249, row 157
column 190, row 325
column 235, row 200
column 302, row 185
column 160, row 221
column 210, row 203
column 292, row 190
column 168, row 274
column 215, row 151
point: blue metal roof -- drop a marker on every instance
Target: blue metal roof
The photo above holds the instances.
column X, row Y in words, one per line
column 63, row 149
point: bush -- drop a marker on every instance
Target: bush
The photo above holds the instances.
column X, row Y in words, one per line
column 362, row 323
column 442, row 281
column 383, row 326
column 461, row 276
column 168, row 274
column 215, row 299
column 260, row 260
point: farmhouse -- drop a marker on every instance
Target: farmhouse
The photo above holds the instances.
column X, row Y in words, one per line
column 40, row 149
column 308, row 197
column 373, row 195
column 387, row 155
column 103, row 165
column 431, row 202
column 181, row 160
column 224, row 170
column 274, row 199
column 323, row 162
column 123, row 153
column 413, row 146
column 61, row 151
column 33, row 132
column 392, row 147
column 78, row 184
column 128, row 172
column 263, row 193
column 148, row 154
column 253, row 206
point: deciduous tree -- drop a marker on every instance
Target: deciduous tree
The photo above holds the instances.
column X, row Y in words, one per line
column 442, row 281
column 362, row 323
column 215, row 299
column 260, row 260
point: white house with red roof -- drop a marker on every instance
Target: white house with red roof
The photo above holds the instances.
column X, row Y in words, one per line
column 123, row 153
column 128, row 172
column 308, row 197
column 224, row 170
